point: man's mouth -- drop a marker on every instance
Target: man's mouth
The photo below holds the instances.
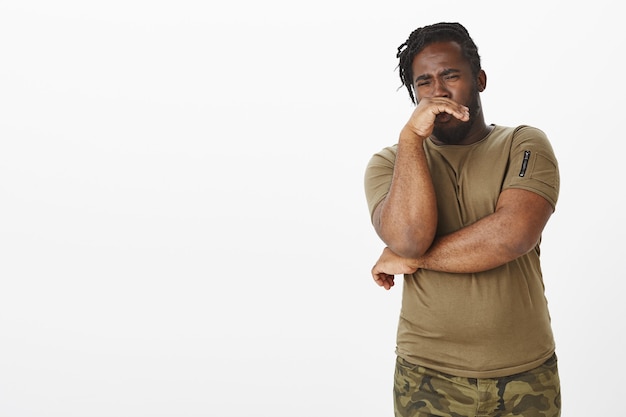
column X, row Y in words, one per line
column 443, row 118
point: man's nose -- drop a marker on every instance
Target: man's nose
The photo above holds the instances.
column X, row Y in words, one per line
column 440, row 89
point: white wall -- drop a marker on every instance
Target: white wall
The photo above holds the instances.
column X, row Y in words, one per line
column 183, row 229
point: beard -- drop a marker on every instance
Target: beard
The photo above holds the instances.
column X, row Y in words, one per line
column 455, row 132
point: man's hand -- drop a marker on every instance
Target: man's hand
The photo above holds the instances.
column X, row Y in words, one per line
column 390, row 264
column 422, row 120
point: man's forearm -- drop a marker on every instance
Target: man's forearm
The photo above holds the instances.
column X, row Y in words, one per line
column 511, row 231
column 466, row 251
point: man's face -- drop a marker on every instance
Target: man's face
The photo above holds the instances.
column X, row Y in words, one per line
column 440, row 70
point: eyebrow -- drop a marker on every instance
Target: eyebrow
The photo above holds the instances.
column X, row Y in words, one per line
column 443, row 73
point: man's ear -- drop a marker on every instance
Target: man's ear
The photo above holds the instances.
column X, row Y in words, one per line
column 482, row 81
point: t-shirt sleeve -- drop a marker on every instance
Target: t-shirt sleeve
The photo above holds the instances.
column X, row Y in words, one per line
column 533, row 165
column 378, row 176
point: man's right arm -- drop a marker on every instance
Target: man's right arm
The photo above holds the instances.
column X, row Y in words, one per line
column 406, row 219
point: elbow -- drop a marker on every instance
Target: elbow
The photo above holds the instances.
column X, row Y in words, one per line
column 411, row 249
column 405, row 241
column 521, row 246
column 407, row 253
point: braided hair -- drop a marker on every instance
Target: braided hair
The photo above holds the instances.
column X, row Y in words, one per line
column 424, row 36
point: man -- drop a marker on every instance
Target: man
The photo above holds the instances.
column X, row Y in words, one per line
column 460, row 206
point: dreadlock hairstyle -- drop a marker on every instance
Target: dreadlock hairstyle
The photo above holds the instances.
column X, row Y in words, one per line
column 424, row 36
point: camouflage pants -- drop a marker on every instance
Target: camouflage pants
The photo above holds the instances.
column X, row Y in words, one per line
column 422, row 392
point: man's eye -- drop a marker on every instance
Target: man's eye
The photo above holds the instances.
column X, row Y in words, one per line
column 423, row 83
column 452, row 77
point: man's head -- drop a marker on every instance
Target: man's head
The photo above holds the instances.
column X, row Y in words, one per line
column 442, row 61
column 424, row 36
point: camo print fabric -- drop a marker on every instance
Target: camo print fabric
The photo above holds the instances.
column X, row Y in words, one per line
column 421, row 392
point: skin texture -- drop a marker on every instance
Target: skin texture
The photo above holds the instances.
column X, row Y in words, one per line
column 449, row 109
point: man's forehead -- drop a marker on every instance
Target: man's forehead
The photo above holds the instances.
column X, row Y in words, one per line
column 439, row 56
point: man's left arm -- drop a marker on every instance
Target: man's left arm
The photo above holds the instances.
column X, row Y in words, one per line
column 512, row 230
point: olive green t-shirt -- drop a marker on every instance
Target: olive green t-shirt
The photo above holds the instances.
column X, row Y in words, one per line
column 486, row 324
